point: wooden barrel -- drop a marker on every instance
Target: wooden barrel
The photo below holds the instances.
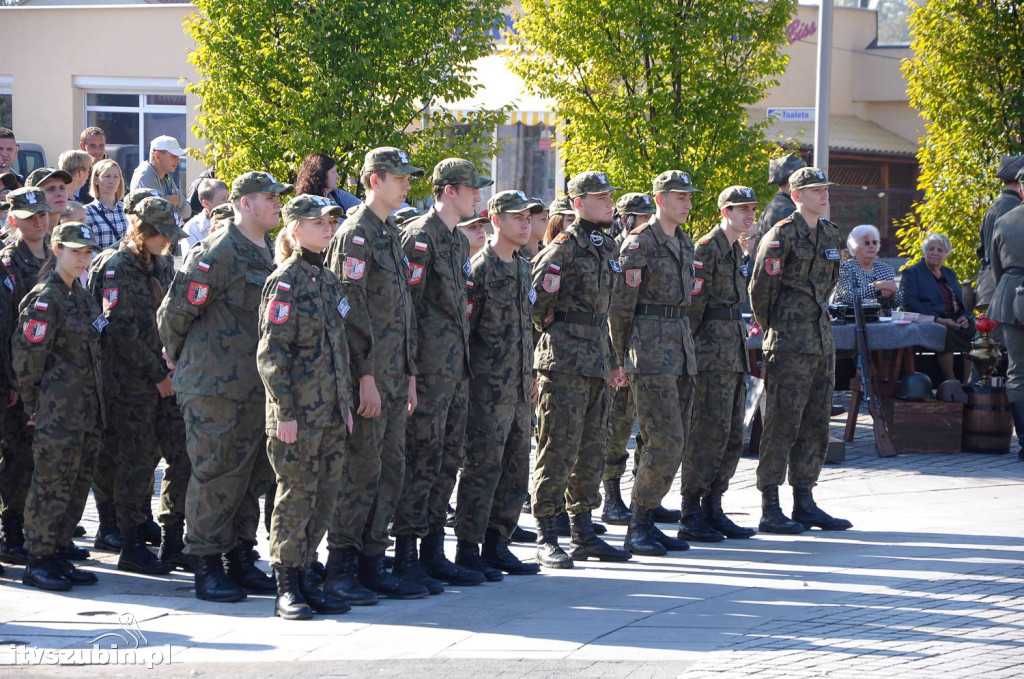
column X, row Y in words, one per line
column 988, row 424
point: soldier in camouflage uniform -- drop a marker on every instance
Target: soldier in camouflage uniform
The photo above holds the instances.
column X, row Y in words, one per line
column 129, row 284
column 573, row 278
column 435, row 436
column 366, row 253
column 21, row 260
column 781, row 205
column 303, row 361
column 209, row 322
column 715, row 441
column 651, row 335
column 796, row 269
column 634, row 209
column 56, row 354
column 497, row 469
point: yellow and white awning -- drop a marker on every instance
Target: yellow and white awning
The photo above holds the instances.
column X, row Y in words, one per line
column 500, row 87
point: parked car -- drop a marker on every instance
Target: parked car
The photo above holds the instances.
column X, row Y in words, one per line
column 30, row 157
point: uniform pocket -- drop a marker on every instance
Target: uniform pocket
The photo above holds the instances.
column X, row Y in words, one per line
column 382, row 256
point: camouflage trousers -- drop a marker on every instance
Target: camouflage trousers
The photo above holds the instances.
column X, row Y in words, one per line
column 664, row 406
column 497, row 470
column 715, row 441
column 451, row 463
column 621, row 419
column 435, row 432
column 308, row 473
column 372, row 472
column 572, row 430
column 16, row 460
column 104, row 481
column 798, row 389
column 230, row 471
column 1013, row 337
column 64, row 461
column 148, row 427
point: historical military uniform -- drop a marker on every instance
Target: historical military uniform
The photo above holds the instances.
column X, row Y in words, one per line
column 1004, row 202
column 438, row 266
column 573, row 278
column 497, row 469
column 57, row 358
column 130, row 288
column 715, row 441
column 20, row 271
column 1007, row 307
column 651, row 334
column 303, row 360
column 796, row 269
column 781, row 205
column 367, row 255
column 209, row 322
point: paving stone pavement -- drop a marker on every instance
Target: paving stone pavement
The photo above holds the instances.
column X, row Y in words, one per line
column 929, row 583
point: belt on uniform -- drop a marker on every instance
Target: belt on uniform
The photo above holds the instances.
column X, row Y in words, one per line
column 581, row 318
column 722, row 315
column 1014, row 270
column 663, row 310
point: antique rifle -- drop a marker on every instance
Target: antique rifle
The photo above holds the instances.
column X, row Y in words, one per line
column 883, row 441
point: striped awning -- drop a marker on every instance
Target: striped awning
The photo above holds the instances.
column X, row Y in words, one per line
column 500, row 87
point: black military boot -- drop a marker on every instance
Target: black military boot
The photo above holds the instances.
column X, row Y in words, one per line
column 290, row 604
column 151, row 529
column 211, row 582
column 73, row 552
column 666, row 515
column 639, row 537
column 615, row 510
column 497, row 554
column 585, row 543
column 340, row 580
column 42, row 573
column 438, row 566
column 808, row 514
column 407, row 566
column 319, row 600
column 449, row 516
column 241, row 568
column 549, row 553
column 136, row 557
column 467, row 555
column 108, row 537
column 76, row 575
column 772, row 518
column 372, row 576
column 523, row 535
column 1017, row 410
column 172, row 546
column 711, row 505
column 12, row 539
column 565, row 530
column 79, row 531
column 692, row 526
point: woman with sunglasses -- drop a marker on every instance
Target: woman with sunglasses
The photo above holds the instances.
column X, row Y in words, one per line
column 864, row 276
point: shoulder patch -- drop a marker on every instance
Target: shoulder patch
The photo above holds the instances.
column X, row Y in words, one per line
column 773, row 266
column 705, row 240
column 35, row 331
column 698, row 286
column 198, row 293
column 203, row 266
column 110, row 296
column 774, row 244
column 561, row 238
column 278, row 312
column 419, row 246
column 415, row 273
column 354, row 268
column 358, row 240
column 552, row 282
column 639, row 229
column 633, row 277
column 41, row 305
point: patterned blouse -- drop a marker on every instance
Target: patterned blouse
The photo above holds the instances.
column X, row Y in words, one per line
column 853, row 277
column 108, row 224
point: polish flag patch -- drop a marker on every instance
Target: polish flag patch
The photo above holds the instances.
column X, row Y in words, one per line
column 203, row 266
column 420, row 246
column 110, row 273
column 42, row 306
column 358, row 240
column 284, row 286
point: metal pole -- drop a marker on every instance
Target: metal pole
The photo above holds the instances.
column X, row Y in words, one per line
column 822, row 97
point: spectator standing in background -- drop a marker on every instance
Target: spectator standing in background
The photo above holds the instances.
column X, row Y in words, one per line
column 105, row 215
column 158, row 173
column 318, row 176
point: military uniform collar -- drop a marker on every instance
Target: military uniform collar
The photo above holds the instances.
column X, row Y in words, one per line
column 1011, row 193
column 432, row 221
column 21, row 248
column 718, row 234
column 655, row 228
column 368, row 217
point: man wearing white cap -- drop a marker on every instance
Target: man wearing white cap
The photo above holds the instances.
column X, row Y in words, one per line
column 158, row 173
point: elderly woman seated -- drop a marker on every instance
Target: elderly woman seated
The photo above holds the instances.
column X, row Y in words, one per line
column 862, row 276
column 931, row 288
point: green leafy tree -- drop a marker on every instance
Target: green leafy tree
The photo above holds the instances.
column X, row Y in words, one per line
column 967, row 81
column 643, row 87
column 280, row 79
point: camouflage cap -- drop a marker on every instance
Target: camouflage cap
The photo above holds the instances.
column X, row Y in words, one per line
column 808, row 178
column 136, row 196
column 459, row 171
column 675, row 181
column 779, row 169
column 481, row 218
column 10, row 181
column 406, row 214
column 223, row 212
column 737, row 195
column 590, row 182
column 390, row 159
column 73, row 235
column 308, row 206
column 1009, row 166
column 635, row 204
column 159, row 213
column 41, row 174
column 537, row 205
column 561, row 206
column 508, row 201
column 257, row 182
column 27, row 202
